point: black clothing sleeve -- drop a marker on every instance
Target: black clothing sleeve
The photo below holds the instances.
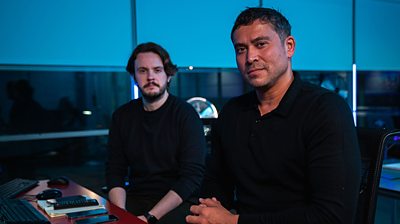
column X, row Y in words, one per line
column 191, row 156
column 117, row 163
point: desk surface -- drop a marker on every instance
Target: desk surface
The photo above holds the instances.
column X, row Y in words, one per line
column 76, row 189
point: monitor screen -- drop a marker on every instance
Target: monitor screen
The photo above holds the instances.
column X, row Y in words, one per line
column 379, row 89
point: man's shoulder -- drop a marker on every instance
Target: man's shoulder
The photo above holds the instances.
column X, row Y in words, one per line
column 176, row 100
column 311, row 91
column 128, row 107
column 181, row 111
column 318, row 97
column 180, row 104
column 243, row 101
column 238, row 104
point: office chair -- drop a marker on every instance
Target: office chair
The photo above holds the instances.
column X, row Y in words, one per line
column 371, row 142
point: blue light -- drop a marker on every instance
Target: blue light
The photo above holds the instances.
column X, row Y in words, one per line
column 354, row 100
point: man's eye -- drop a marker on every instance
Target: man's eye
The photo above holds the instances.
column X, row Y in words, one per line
column 260, row 44
column 141, row 71
column 240, row 50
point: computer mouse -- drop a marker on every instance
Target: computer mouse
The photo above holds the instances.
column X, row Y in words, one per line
column 58, row 181
column 49, row 194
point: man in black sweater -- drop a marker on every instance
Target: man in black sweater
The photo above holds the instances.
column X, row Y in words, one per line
column 158, row 141
column 286, row 152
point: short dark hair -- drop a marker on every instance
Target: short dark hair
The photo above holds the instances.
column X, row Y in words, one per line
column 279, row 23
column 169, row 68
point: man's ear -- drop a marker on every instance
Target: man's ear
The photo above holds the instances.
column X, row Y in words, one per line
column 290, row 45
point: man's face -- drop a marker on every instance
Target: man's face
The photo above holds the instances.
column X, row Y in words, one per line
column 260, row 55
column 150, row 75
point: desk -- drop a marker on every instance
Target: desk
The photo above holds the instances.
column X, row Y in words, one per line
column 76, row 189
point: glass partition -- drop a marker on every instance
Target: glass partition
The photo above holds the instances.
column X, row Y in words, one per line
column 59, row 101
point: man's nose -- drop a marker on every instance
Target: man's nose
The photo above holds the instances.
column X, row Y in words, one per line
column 252, row 56
column 150, row 75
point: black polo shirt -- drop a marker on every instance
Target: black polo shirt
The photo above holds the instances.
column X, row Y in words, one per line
column 300, row 163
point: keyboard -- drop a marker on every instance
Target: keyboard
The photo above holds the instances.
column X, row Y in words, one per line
column 20, row 211
column 75, row 203
column 14, row 187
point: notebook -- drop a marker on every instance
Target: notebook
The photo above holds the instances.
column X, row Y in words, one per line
column 49, row 206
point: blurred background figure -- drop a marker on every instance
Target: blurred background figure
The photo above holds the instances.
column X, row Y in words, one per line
column 26, row 114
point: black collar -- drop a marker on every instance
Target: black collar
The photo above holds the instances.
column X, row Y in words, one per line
column 287, row 102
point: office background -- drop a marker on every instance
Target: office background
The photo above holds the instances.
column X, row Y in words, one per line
column 67, row 59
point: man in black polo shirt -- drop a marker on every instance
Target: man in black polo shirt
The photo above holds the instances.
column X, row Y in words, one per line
column 286, row 152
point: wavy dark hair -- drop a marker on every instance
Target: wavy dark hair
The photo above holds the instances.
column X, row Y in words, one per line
column 279, row 23
column 169, row 68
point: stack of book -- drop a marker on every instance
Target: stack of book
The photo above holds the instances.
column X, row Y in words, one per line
column 64, row 205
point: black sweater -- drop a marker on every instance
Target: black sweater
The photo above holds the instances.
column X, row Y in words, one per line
column 299, row 163
column 164, row 149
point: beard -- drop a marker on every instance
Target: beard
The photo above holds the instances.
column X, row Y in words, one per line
column 153, row 96
column 268, row 79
